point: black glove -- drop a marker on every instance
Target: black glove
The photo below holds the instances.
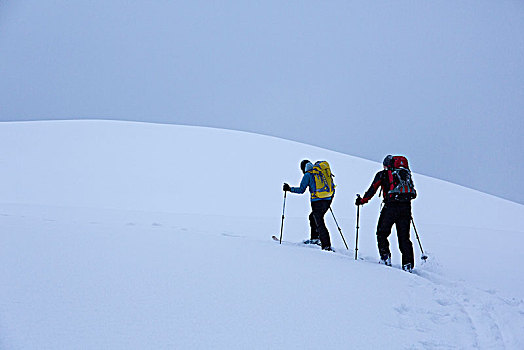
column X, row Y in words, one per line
column 286, row 187
column 360, row 201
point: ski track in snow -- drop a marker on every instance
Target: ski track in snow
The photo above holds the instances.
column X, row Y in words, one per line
column 477, row 305
column 474, row 304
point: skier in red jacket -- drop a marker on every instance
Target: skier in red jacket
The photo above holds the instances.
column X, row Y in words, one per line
column 398, row 191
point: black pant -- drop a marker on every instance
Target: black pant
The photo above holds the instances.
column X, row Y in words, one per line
column 316, row 221
column 400, row 215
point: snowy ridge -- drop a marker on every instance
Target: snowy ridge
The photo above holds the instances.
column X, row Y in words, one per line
column 105, row 245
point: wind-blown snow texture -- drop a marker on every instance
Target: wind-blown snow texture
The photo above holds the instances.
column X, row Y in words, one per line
column 139, row 236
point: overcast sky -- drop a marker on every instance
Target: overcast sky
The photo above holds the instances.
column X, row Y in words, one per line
column 441, row 82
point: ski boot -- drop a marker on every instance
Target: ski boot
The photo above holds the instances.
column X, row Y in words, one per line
column 407, row 267
column 386, row 260
column 312, row 241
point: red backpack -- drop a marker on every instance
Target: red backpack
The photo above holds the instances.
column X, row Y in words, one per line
column 400, row 162
column 401, row 184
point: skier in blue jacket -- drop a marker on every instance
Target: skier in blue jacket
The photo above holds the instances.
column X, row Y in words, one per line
column 319, row 207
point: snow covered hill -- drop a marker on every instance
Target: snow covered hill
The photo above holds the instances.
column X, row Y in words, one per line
column 118, row 235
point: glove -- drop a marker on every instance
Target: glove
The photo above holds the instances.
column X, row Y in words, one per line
column 286, row 187
column 360, row 201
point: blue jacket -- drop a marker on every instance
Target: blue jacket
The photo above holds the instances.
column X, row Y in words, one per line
column 308, row 180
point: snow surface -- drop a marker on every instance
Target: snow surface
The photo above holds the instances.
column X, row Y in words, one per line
column 118, row 235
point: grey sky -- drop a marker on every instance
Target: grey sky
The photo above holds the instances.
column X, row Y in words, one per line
column 441, row 82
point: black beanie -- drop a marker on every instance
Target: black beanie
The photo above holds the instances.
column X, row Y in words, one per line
column 303, row 165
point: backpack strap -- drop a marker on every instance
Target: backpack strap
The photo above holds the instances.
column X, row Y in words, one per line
column 390, row 177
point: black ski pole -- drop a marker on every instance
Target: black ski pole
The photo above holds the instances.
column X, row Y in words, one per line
column 283, row 210
column 424, row 256
column 339, row 230
column 358, row 218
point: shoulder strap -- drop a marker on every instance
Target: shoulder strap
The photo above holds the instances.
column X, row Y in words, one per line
column 390, row 178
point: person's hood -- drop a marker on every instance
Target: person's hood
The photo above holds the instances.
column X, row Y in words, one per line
column 309, row 166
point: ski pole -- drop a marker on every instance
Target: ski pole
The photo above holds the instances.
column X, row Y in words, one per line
column 424, row 256
column 283, row 210
column 358, row 218
column 339, row 230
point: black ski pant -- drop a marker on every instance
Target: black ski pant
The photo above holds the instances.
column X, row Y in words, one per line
column 400, row 215
column 316, row 221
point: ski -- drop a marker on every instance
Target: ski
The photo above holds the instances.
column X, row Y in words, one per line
column 276, row 239
column 299, row 244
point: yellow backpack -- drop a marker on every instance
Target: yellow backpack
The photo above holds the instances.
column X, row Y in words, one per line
column 325, row 186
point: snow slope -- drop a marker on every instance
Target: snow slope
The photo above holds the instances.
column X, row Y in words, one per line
column 141, row 236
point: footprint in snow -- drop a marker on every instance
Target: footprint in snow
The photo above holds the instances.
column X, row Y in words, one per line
column 444, row 302
column 227, row 234
column 402, row 309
